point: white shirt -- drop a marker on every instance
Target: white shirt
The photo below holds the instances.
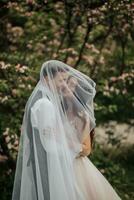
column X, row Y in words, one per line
column 43, row 117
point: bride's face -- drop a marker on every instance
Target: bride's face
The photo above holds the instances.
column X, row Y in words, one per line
column 72, row 83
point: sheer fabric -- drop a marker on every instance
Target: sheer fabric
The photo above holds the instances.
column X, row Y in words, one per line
column 56, row 113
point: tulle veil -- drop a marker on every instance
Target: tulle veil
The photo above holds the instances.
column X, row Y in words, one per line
column 49, row 141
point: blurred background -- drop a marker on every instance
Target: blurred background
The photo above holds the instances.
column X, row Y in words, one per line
column 95, row 37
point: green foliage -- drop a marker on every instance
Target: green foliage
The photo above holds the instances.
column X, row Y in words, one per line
column 95, row 37
column 118, row 169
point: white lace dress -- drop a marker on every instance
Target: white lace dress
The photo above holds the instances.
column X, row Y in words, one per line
column 93, row 185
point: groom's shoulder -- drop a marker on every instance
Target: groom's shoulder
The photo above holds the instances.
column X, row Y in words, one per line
column 42, row 103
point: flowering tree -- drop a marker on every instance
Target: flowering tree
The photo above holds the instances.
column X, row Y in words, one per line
column 95, row 37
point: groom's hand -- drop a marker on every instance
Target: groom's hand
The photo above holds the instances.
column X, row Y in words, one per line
column 85, row 150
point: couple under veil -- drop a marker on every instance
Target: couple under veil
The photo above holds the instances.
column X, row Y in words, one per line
column 57, row 123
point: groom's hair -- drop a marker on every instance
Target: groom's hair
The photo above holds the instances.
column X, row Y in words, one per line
column 53, row 70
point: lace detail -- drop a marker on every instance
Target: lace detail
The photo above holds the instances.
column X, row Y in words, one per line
column 77, row 125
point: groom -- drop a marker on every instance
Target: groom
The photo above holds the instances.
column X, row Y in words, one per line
column 59, row 76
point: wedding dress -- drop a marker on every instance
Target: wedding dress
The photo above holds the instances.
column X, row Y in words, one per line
column 93, row 185
column 48, row 167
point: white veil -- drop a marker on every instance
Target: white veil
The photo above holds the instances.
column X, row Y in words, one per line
column 50, row 139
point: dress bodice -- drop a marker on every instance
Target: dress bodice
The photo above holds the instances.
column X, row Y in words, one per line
column 78, row 124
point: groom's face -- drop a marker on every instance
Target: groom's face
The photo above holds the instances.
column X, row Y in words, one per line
column 60, row 80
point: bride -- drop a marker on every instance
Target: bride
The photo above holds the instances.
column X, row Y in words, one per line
column 52, row 162
column 92, row 183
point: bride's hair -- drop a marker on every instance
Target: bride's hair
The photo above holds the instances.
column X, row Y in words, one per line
column 83, row 102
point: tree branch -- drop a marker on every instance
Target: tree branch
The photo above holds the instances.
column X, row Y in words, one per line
column 89, row 28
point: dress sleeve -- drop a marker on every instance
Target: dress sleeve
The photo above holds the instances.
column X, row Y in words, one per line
column 43, row 119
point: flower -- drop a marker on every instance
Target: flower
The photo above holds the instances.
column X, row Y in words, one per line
column 4, row 99
column 3, row 65
column 5, row 133
column 20, row 68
